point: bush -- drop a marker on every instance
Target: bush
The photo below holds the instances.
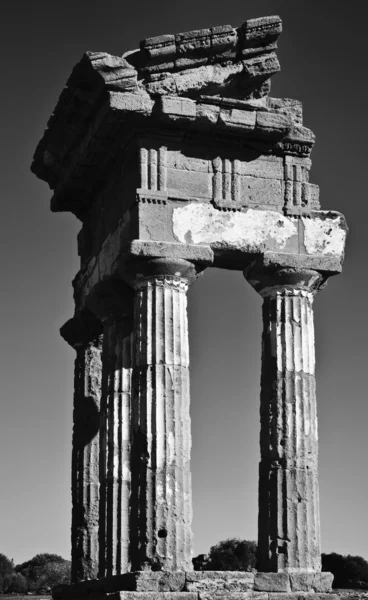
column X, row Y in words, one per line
column 44, row 571
column 18, row 584
column 6, row 573
column 232, row 555
column 349, row 571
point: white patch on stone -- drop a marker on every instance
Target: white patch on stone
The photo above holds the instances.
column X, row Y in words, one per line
column 170, row 448
column 126, row 473
column 200, row 223
column 160, row 498
column 324, row 236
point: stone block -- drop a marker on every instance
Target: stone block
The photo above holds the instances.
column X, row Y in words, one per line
column 208, row 113
column 300, row 261
column 223, row 37
column 183, row 107
column 179, row 160
column 271, row 168
column 302, row 596
column 159, row 41
column 245, row 231
column 262, row 66
column 191, row 252
column 188, row 62
column 287, row 106
column 230, row 595
column 272, row 123
column 310, row 196
column 291, row 596
column 306, row 582
column 325, row 234
column 172, row 582
column 127, row 595
column 301, row 134
column 238, row 119
column 219, row 581
column 153, row 220
column 129, row 103
column 272, row 582
column 261, row 29
column 188, row 184
column 147, row 581
column 261, row 192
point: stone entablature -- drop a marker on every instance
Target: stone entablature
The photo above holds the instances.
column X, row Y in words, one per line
column 175, row 158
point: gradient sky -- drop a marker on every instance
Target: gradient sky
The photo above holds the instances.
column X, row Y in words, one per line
column 323, row 58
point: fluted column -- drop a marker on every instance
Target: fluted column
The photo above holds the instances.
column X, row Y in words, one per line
column 115, row 449
column 161, row 501
column 112, row 301
column 85, row 336
column 289, row 520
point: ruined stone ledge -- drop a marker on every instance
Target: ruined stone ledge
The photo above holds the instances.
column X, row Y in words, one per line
column 232, row 585
column 253, row 595
column 222, row 595
column 192, row 252
column 218, row 581
column 273, row 129
column 331, row 264
column 235, row 238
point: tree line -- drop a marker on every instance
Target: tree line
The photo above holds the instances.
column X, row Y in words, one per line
column 43, row 571
column 37, row 576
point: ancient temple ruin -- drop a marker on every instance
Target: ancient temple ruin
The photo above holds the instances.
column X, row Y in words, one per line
column 176, row 158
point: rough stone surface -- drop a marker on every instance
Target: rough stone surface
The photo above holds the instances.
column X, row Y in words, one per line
column 288, row 526
column 306, row 582
column 85, row 460
column 219, row 581
column 161, row 510
column 197, row 253
column 178, row 159
column 272, row 582
column 153, row 596
column 232, row 595
column 256, row 231
column 302, row 596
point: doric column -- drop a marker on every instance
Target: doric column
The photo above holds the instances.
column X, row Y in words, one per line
column 84, row 334
column 112, row 302
column 289, row 521
column 161, row 502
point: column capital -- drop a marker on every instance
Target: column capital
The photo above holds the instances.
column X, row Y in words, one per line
column 81, row 329
column 165, row 263
column 274, row 272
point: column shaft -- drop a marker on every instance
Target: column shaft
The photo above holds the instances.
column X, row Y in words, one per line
column 289, row 524
column 161, row 502
column 85, row 461
column 115, row 449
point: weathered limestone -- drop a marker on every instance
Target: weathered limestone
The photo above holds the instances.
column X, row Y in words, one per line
column 161, row 505
column 84, row 334
column 289, row 523
column 112, row 302
column 238, row 585
column 175, row 158
column 115, row 468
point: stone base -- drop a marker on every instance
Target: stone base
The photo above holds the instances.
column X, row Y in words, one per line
column 202, row 585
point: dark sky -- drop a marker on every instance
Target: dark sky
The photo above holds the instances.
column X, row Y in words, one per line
column 323, row 56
